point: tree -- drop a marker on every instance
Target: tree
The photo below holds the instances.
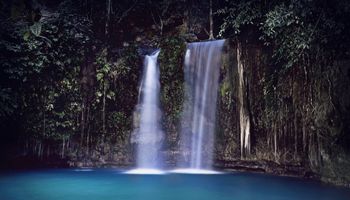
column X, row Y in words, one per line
column 211, row 34
column 295, row 29
column 40, row 64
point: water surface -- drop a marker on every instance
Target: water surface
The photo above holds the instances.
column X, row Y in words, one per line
column 67, row 184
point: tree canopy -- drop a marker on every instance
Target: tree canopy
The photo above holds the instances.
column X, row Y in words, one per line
column 294, row 28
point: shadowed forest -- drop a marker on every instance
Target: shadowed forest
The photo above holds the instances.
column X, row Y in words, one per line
column 70, row 73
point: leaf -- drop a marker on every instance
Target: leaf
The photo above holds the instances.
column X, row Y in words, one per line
column 111, row 95
column 99, row 94
column 48, row 42
column 26, row 36
column 99, row 76
column 36, row 28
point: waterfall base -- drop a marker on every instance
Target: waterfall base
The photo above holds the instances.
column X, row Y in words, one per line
column 194, row 171
column 145, row 171
column 151, row 171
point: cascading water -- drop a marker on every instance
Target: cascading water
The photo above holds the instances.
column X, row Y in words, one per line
column 202, row 67
column 148, row 136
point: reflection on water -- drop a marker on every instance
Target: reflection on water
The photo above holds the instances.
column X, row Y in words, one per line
column 114, row 185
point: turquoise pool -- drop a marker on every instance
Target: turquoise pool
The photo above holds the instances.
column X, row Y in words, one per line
column 69, row 184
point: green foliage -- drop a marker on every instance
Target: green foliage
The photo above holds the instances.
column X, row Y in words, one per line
column 40, row 65
column 171, row 62
column 103, row 76
column 119, row 123
column 238, row 14
column 7, row 103
column 294, row 29
column 116, row 90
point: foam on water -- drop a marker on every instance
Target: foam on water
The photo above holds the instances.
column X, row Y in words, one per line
column 145, row 171
column 194, row 171
column 83, row 170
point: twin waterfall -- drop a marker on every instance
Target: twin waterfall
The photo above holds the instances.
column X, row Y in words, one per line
column 201, row 69
column 148, row 136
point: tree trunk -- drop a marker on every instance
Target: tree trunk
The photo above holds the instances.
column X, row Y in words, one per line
column 104, row 109
column 211, row 34
column 82, row 122
column 244, row 117
column 44, row 118
column 88, row 137
column 63, row 147
column 48, row 151
column 108, row 8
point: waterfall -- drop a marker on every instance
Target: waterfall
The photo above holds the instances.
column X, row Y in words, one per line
column 147, row 134
column 202, row 68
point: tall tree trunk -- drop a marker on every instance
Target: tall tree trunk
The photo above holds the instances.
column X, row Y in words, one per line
column 109, row 4
column 48, row 151
column 44, row 118
column 63, row 147
column 82, row 122
column 108, row 13
column 211, row 34
column 186, row 18
column 104, row 109
column 244, row 114
column 88, row 136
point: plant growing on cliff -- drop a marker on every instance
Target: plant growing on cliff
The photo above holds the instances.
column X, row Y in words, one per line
column 294, row 29
column 171, row 78
column 40, row 70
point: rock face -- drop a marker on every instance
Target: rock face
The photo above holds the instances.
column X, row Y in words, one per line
column 103, row 154
column 293, row 117
column 292, row 121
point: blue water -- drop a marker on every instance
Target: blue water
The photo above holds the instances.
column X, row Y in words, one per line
column 113, row 185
